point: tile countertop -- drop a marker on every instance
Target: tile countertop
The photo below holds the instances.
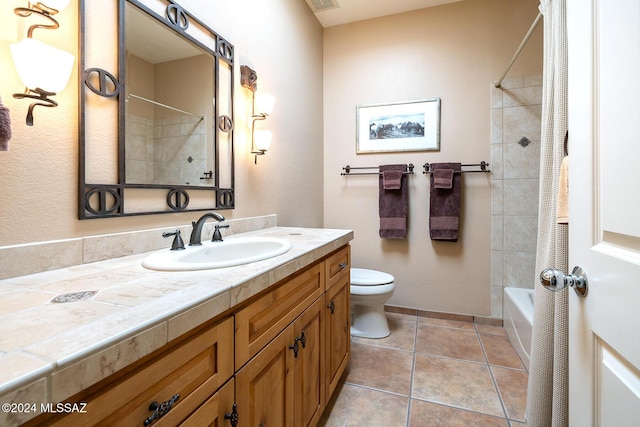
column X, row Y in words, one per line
column 50, row 351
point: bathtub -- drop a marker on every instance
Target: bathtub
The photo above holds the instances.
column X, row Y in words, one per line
column 518, row 320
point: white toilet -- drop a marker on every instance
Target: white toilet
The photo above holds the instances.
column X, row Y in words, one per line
column 370, row 290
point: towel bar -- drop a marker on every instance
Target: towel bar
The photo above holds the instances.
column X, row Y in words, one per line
column 484, row 167
column 347, row 170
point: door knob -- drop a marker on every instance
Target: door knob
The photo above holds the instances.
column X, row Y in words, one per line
column 556, row 280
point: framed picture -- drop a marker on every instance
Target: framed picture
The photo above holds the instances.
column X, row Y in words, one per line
column 402, row 126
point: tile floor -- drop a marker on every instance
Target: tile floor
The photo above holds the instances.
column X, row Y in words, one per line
column 431, row 372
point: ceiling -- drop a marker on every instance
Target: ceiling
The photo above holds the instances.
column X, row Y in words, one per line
column 148, row 39
column 358, row 10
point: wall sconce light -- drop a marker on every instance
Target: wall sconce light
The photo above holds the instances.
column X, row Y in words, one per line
column 44, row 70
column 261, row 106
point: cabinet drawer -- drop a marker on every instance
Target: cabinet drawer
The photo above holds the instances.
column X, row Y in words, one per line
column 194, row 369
column 213, row 411
column 265, row 318
column 337, row 265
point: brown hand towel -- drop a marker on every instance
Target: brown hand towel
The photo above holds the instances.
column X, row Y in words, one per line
column 444, row 204
column 393, row 204
column 5, row 127
column 443, row 178
column 392, row 179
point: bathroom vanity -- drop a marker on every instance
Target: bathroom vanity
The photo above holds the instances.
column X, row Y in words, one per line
column 263, row 344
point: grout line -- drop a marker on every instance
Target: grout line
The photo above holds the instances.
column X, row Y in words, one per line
column 413, row 370
column 456, row 359
column 370, row 344
column 379, row 390
column 462, row 408
column 495, row 383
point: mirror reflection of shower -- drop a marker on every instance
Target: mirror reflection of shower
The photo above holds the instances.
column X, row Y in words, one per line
column 169, row 89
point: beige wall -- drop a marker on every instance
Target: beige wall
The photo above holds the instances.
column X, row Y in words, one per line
column 452, row 52
column 196, row 77
column 280, row 39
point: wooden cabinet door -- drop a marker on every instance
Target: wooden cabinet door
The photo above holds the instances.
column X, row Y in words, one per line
column 263, row 319
column 338, row 332
column 265, row 385
column 309, row 366
column 212, row 412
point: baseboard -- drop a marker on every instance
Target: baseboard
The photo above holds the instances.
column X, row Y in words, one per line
column 445, row 316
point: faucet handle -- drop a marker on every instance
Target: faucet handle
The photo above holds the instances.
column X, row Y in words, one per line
column 177, row 243
column 217, row 236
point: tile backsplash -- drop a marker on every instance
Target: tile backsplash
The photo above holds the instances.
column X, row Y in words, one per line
column 18, row 260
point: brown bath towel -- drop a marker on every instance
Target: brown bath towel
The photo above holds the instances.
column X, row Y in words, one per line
column 444, row 203
column 393, row 204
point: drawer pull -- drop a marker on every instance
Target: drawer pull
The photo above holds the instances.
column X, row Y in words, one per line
column 342, row 265
column 295, row 347
column 303, row 339
column 160, row 409
column 233, row 416
column 332, row 306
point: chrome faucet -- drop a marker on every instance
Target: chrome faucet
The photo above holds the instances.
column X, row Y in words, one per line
column 196, row 233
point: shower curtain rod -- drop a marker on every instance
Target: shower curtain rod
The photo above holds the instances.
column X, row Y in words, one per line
column 522, row 44
column 200, row 116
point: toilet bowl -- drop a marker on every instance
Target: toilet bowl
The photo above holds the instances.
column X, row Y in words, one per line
column 370, row 290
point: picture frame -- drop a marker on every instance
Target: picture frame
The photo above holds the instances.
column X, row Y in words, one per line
column 401, row 126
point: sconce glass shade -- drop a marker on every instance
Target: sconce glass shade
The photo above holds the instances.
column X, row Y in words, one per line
column 264, row 103
column 262, row 140
column 42, row 66
column 58, row 5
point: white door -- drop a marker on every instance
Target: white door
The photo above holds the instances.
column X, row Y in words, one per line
column 604, row 222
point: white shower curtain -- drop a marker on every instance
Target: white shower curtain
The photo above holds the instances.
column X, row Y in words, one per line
column 547, row 398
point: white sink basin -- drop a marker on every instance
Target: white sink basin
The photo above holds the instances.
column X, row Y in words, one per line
column 232, row 251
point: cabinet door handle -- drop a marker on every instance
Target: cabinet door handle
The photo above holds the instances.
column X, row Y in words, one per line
column 332, row 306
column 160, row 409
column 295, row 347
column 342, row 265
column 303, row 339
column 233, row 416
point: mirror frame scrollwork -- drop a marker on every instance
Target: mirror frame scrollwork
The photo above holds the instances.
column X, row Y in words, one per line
column 106, row 200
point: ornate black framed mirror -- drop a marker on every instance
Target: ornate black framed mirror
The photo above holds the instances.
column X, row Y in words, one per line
column 156, row 111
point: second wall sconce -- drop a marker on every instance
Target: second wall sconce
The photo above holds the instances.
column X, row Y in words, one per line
column 44, row 70
column 261, row 106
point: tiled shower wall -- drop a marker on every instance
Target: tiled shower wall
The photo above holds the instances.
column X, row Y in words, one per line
column 165, row 151
column 180, row 150
column 139, row 149
column 515, row 161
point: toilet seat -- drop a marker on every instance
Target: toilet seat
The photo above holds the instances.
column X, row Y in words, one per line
column 376, row 290
column 365, row 277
